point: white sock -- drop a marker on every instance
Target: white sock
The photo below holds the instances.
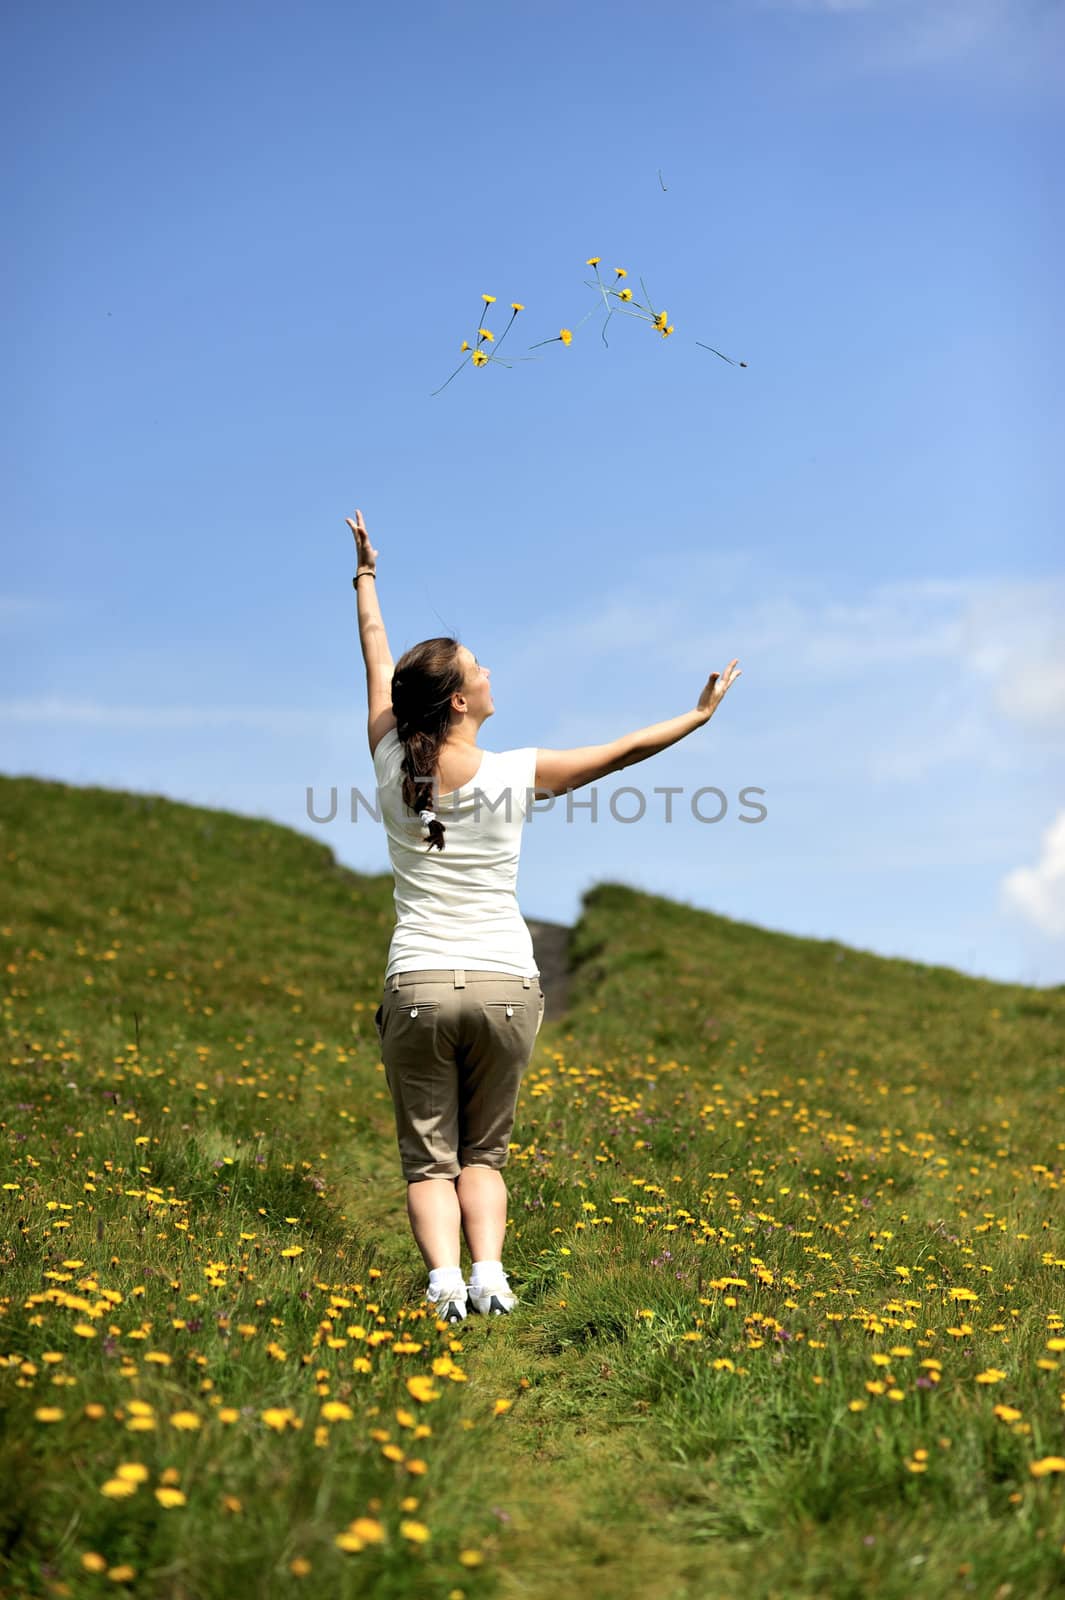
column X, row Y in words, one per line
column 445, row 1278
column 484, row 1273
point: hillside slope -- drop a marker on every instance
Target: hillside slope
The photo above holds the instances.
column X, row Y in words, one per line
column 785, row 1222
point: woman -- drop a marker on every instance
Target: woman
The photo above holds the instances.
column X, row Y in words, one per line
column 462, row 1001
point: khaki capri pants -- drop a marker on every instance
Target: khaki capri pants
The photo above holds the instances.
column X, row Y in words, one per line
column 455, row 1045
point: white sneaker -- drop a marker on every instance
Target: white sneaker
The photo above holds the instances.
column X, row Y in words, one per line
column 495, row 1299
column 448, row 1304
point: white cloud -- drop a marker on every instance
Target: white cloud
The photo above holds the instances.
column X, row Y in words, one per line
column 1038, row 893
column 1019, row 37
column 909, row 677
column 52, row 710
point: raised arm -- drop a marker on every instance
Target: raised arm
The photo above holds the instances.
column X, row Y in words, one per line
column 372, row 637
column 560, row 770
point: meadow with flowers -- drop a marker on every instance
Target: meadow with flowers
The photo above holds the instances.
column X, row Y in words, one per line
column 785, row 1223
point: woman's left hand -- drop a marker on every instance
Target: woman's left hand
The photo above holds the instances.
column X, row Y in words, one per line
column 364, row 550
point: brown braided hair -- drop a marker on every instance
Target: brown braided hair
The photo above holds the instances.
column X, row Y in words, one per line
column 423, row 681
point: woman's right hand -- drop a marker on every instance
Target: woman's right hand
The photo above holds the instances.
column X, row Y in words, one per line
column 717, row 686
column 366, row 555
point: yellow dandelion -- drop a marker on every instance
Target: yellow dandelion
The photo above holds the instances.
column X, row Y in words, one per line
column 1007, row 1413
column 593, row 261
column 186, row 1420
column 132, row 1471
column 417, row 1531
column 84, row 1330
column 94, row 1411
column 92, row 1561
column 348, row 1541
column 337, row 1411
column 170, row 1475
column 465, row 345
column 501, row 1406
column 963, row 1294
column 566, row 336
column 624, row 294
column 299, row 1566
column 471, row 1558
column 123, row 1574
column 293, row 1250
column 367, row 1529
column 486, row 333
column 170, row 1497
column 621, row 272
column 1039, row 1469
column 228, row 1414
column 479, row 358
column 514, row 306
column 232, row 1503
column 667, row 331
column 52, row 1356
column 992, row 1375
column 118, row 1488
column 421, row 1388
column 1052, row 1344
column 488, row 298
column 278, row 1417
column 49, row 1413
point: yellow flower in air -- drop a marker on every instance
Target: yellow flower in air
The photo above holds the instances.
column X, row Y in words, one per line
column 566, row 336
column 514, row 306
column 624, row 294
column 488, row 298
column 593, row 261
column 660, row 320
column 479, row 358
column 667, row 331
column 485, row 333
column 465, row 345
column 621, row 272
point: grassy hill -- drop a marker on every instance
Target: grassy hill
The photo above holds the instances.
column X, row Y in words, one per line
column 785, row 1220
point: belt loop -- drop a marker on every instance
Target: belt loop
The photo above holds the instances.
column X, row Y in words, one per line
column 460, row 977
column 526, row 983
column 394, row 980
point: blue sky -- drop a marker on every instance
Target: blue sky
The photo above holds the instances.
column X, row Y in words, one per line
column 250, row 240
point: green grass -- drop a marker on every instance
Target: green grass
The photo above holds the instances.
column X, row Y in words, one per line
column 754, row 1180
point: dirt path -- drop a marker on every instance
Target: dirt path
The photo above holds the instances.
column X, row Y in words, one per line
column 551, row 948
